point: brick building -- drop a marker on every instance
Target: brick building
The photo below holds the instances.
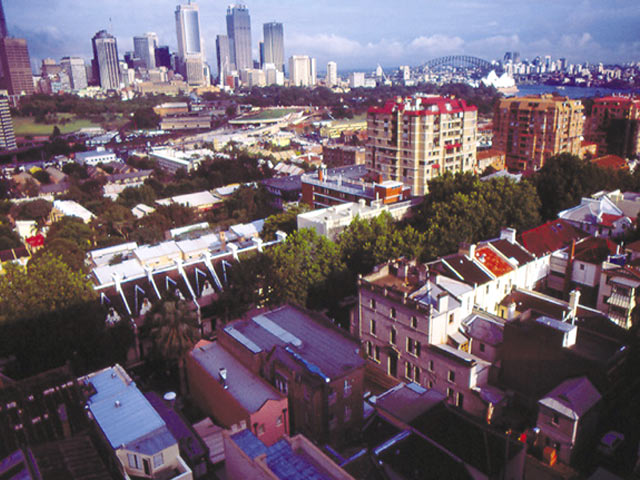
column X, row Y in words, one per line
column 532, row 129
column 313, row 362
column 614, row 125
column 414, row 139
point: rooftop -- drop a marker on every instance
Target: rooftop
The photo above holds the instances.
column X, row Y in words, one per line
column 424, row 105
column 124, row 415
column 550, row 236
column 493, row 261
column 408, row 401
column 572, row 398
column 324, row 350
column 246, row 387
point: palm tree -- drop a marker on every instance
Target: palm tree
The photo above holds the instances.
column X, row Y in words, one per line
column 175, row 331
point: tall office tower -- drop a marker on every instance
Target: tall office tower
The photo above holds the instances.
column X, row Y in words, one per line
column 7, row 134
column 223, row 57
column 3, row 23
column 75, row 69
column 105, row 60
column 299, row 71
column 190, row 49
column 531, row 129
column 163, row 57
column 274, row 44
column 239, row 33
column 145, row 49
column 614, row 125
column 414, row 139
column 50, row 67
column 16, row 66
column 332, row 74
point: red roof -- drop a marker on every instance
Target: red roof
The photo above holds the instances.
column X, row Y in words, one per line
column 550, row 236
column 455, row 106
column 36, row 240
column 611, row 161
column 492, row 261
column 608, row 219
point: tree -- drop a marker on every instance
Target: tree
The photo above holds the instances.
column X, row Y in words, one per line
column 286, row 221
column 47, row 284
column 302, row 266
column 132, row 196
column 175, row 331
column 145, row 118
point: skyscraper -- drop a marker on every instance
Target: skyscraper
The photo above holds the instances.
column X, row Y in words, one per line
column 239, row 33
column 75, row 69
column 274, row 44
column 163, row 57
column 3, row 23
column 332, row 74
column 105, row 60
column 16, row 66
column 7, row 134
column 223, row 57
column 145, row 49
column 190, row 48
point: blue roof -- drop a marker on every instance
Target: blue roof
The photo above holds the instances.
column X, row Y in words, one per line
column 125, row 416
column 281, row 459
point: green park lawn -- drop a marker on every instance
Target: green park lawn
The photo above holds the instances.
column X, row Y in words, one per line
column 28, row 126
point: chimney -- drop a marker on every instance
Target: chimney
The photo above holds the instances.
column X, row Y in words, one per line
column 574, row 300
column 511, row 311
column 223, row 373
column 468, row 249
column 321, row 174
column 403, row 270
column 508, row 234
column 443, row 302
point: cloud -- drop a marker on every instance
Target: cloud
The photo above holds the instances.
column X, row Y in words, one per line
column 437, row 44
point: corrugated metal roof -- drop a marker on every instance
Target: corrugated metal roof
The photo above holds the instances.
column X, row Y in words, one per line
column 124, row 414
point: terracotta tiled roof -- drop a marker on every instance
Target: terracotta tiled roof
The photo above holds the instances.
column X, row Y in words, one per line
column 550, row 236
column 492, row 261
column 611, row 161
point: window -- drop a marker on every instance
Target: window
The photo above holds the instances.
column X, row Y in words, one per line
column 158, row 460
column 450, row 318
column 347, row 388
column 449, row 393
column 417, row 348
column 430, row 383
column 408, row 370
column 261, row 429
column 279, row 421
column 377, row 355
column 281, row 384
column 410, row 347
column 369, row 349
column 556, row 419
column 414, row 322
column 431, row 365
column 452, row 376
column 459, row 400
column 372, row 327
column 482, row 347
column 393, row 312
column 392, row 336
column 416, row 374
column 134, row 462
column 373, row 304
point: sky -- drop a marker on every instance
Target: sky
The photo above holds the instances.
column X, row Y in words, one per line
column 357, row 34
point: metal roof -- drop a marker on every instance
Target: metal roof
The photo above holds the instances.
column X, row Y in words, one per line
column 572, row 398
column 125, row 416
column 246, row 387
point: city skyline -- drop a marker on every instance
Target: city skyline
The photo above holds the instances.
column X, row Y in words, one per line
column 578, row 30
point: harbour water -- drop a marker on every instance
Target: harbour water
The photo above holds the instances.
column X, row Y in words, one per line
column 571, row 92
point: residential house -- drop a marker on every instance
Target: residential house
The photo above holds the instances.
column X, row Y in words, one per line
column 412, row 433
column 547, row 340
column 578, row 266
column 293, row 458
column 69, row 208
column 598, row 217
column 306, row 357
column 233, row 395
column 567, row 417
column 201, row 201
column 132, row 428
column 618, row 291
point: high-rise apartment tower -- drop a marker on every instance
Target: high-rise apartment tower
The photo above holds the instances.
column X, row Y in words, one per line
column 274, row 44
